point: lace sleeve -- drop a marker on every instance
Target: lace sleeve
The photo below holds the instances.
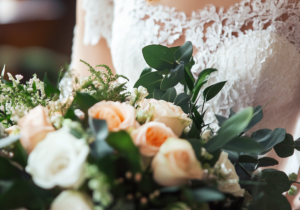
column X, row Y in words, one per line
column 98, row 20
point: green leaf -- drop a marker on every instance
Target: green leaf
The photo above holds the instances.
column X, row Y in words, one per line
column 99, row 147
column 184, row 53
column 277, row 181
column 196, row 144
column 145, row 71
column 49, row 88
column 230, row 129
column 261, row 135
column 8, row 171
column 286, row 147
column 173, row 78
column 257, row 117
column 202, row 79
column 270, row 201
column 188, row 76
column 158, row 57
column 84, row 101
column 198, row 119
column 266, row 161
column 122, row 142
column 277, row 136
column 297, row 144
column 211, row 91
column 20, row 155
column 150, row 81
column 206, row 194
column 9, row 140
column 247, row 159
column 174, row 49
column 158, row 94
column 194, row 132
column 243, row 144
column 220, row 119
column 25, row 194
column 170, row 95
column 182, row 100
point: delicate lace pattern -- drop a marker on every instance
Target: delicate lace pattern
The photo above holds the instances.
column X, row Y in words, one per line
column 219, row 40
column 98, row 20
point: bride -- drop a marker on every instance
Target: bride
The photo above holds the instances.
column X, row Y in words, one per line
column 254, row 44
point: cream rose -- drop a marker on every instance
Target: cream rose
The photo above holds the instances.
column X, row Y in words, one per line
column 167, row 113
column 34, row 127
column 150, row 136
column 228, row 179
column 176, row 163
column 119, row 116
column 72, row 200
column 58, row 160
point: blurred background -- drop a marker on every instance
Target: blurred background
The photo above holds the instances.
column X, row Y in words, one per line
column 36, row 36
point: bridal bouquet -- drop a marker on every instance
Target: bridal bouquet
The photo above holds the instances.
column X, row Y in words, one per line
column 102, row 148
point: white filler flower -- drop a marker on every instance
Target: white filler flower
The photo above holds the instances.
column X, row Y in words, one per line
column 58, row 160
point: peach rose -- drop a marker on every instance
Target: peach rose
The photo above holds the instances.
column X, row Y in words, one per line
column 119, row 116
column 34, row 127
column 176, row 163
column 167, row 113
column 150, row 136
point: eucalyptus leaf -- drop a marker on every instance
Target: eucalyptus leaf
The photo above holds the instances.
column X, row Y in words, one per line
column 183, row 100
column 174, row 49
column 277, row 136
column 277, row 181
column 84, row 101
column 150, row 81
column 243, row 144
column 196, row 144
column 286, row 147
column 211, row 91
column 158, row 57
column 99, row 147
column 266, row 162
column 122, row 142
column 157, row 94
column 261, row 135
column 270, row 201
column 170, row 95
column 173, row 78
column 230, row 129
column 202, row 79
column 184, row 53
column 145, row 71
column 194, row 132
column 188, row 76
column 297, row 144
column 9, row 140
column 220, row 119
column 257, row 117
column 206, row 194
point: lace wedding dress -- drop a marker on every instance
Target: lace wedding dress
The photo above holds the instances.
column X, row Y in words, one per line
column 260, row 64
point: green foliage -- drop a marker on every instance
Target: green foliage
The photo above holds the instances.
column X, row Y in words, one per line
column 121, row 142
column 230, row 129
column 103, row 85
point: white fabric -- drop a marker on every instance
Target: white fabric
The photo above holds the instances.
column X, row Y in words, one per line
column 259, row 64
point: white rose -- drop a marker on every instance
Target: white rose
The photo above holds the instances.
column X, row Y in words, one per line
column 167, row 113
column 72, row 200
column 176, row 163
column 228, row 179
column 58, row 160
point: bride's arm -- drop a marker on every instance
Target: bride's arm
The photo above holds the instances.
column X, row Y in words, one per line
column 94, row 55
